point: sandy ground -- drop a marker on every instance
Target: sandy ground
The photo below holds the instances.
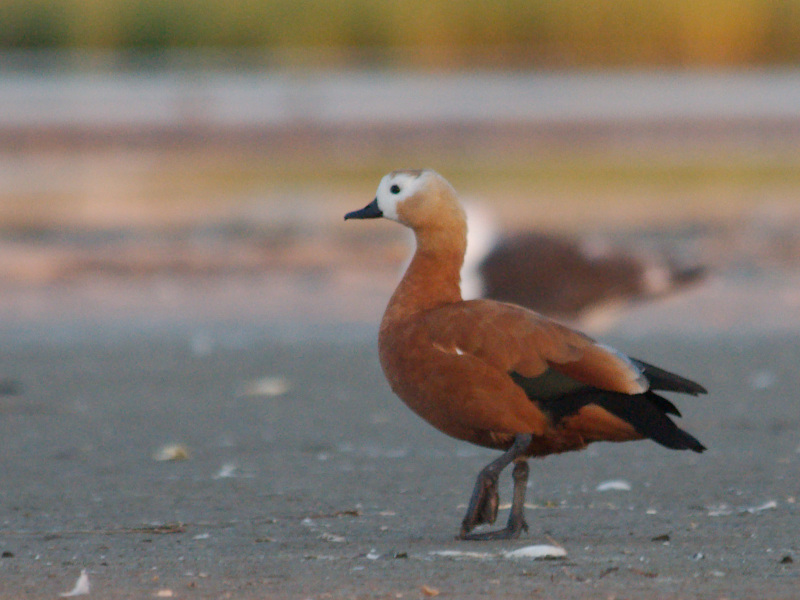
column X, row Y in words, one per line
column 306, row 478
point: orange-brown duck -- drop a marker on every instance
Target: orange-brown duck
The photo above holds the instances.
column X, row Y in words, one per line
column 499, row 375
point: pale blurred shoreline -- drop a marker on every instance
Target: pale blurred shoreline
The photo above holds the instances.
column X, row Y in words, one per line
column 174, row 105
column 129, row 193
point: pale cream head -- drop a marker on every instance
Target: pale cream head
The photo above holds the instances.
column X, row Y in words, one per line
column 419, row 199
column 398, row 186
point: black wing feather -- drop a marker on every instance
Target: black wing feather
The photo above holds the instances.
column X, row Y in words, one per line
column 668, row 382
column 647, row 412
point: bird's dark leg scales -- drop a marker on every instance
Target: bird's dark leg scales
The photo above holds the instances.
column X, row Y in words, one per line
column 484, row 501
column 485, row 498
column 516, row 520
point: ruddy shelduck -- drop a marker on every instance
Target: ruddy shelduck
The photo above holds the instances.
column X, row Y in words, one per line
column 499, row 375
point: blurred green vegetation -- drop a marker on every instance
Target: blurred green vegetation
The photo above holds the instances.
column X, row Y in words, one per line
column 425, row 33
column 567, row 188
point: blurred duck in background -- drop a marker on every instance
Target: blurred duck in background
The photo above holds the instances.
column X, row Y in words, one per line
column 574, row 279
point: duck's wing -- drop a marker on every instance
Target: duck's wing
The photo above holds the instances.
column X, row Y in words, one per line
column 581, row 384
column 517, row 340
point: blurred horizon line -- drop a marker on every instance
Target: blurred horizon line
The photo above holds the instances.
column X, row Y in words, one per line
column 320, row 59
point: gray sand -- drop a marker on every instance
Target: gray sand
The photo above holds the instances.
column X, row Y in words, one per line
column 334, row 489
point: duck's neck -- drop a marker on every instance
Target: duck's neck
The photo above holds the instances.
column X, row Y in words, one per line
column 433, row 277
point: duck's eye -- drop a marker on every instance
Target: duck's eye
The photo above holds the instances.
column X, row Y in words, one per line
column 395, row 189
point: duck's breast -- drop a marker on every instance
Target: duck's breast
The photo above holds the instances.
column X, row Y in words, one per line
column 453, row 390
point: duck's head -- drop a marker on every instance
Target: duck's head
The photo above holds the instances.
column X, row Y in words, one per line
column 418, row 199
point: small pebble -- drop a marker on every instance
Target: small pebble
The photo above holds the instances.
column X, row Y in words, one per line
column 617, row 485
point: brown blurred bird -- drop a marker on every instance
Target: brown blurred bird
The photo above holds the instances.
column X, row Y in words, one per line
column 564, row 277
column 499, row 375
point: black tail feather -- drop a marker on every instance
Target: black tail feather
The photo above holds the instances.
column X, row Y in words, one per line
column 665, row 405
column 648, row 412
column 645, row 412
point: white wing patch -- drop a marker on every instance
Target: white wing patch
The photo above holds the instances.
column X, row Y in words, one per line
column 452, row 350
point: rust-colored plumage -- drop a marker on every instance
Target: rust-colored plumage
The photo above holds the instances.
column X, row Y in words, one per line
column 499, row 375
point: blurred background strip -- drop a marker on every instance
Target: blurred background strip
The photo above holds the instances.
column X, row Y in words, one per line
column 424, row 33
column 160, row 142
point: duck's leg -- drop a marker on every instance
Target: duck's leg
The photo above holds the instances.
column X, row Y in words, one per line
column 485, row 498
column 516, row 519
